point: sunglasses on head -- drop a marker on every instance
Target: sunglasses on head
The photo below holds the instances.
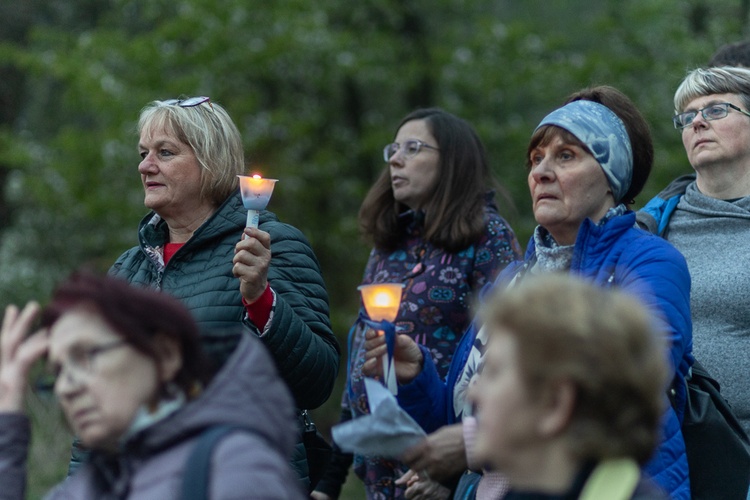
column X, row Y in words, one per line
column 190, row 102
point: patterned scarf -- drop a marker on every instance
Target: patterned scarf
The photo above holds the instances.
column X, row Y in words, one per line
column 550, row 256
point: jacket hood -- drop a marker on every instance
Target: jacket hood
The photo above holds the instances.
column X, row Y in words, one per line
column 247, row 392
column 656, row 214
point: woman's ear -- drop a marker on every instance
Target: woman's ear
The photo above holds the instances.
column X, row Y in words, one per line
column 170, row 357
column 558, row 408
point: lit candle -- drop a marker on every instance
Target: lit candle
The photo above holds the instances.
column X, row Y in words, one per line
column 256, row 192
column 382, row 301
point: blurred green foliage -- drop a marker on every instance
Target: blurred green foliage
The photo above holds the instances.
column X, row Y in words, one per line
column 316, row 88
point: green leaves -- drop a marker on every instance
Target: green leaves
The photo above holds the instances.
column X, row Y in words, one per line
column 316, row 89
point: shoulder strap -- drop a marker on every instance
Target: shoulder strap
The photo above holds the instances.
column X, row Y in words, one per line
column 614, row 479
column 196, row 474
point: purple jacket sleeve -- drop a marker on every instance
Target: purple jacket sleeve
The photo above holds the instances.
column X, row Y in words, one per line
column 245, row 466
column 15, row 431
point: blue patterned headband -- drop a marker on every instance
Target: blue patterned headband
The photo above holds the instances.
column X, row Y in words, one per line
column 604, row 134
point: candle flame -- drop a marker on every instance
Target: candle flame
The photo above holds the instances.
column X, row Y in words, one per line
column 382, row 300
column 256, row 191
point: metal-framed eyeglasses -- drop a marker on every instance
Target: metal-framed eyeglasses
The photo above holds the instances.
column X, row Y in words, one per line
column 711, row 112
column 409, row 148
column 190, row 102
column 81, row 361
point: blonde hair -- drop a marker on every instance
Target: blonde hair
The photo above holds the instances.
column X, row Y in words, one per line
column 707, row 81
column 602, row 341
column 213, row 137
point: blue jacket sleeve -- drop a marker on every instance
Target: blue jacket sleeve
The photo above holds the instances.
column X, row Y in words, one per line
column 658, row 274
column 428, row 398
column 425, row 398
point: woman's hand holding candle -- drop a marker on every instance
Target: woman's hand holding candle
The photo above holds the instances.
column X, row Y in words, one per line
column 407, row 356
column 252, row 257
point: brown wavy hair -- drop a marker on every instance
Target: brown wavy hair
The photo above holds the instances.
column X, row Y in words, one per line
column 454, row 214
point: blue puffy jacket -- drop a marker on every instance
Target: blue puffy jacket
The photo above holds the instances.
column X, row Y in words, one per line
column 613, row 254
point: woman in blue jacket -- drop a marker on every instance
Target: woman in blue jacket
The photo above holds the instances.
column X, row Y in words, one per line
column 586, row 162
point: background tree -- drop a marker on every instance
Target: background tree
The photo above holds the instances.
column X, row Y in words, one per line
column 316, row 89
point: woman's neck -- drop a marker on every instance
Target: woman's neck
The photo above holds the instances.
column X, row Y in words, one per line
column 182, row 228
column 724, row 183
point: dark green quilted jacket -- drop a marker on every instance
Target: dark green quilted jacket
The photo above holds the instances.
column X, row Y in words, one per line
column 299, row 336
column 200, row 274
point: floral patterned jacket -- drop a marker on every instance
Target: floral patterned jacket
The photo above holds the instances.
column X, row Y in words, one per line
column 435, row 310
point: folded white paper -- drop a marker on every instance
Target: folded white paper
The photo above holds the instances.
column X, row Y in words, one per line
column 387, row 431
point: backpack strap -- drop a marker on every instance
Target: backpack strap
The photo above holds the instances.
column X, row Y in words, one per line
column 614, row 479
column 197, row 471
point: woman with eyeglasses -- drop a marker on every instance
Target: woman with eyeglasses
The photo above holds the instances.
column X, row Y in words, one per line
column 586, row 162
column 706, row 216
column 193, row 244
column 136, row 388
column 435, row 228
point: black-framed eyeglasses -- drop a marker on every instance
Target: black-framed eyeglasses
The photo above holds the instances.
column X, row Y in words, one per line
column 190, row 102
column 81, row 360
column 711, row 112
column 410, row 149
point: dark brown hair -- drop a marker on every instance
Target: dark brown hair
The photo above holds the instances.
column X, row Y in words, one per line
column 637, row 127
column 138, row 315
column 732, row 54
column 454, row 214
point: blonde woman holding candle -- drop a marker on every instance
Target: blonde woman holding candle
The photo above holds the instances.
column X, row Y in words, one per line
column 191, row 246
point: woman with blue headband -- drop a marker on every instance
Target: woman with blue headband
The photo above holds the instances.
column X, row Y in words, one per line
column 586, row 162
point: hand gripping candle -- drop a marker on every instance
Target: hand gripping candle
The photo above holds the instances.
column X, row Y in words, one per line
column 382, row 301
